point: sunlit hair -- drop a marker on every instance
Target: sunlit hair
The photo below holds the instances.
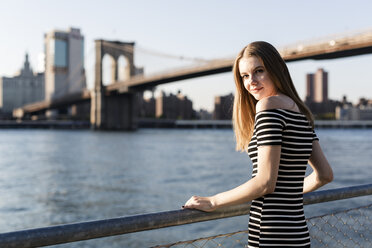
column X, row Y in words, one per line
column 245, row 104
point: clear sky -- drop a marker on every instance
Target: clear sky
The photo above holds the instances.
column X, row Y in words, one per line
column 199, row 29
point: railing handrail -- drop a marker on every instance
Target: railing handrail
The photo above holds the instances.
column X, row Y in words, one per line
column 109, row 227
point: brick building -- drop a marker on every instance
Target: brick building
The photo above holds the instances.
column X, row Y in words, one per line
column 223, row 106
column 173, row 106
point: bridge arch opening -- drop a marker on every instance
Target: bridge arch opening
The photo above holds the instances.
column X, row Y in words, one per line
column 123, row 68
column 108, row 69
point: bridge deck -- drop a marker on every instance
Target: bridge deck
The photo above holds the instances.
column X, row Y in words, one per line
column 327, row 49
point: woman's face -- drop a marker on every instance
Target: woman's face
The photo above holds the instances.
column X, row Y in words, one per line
column 256, row 79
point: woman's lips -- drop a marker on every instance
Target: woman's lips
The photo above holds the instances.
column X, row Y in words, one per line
column 256, row 90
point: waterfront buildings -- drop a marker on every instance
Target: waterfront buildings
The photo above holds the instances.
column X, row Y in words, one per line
column 170, row 107
column 223, row 106
column 25, row 87
column 317, row 93
column 64, row 63
column 173, row 106
column 146, row 107
column 204, row 114
column 353, row 113
column 361, row 111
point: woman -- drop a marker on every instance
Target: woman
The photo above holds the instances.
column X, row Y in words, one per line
column 276, row 129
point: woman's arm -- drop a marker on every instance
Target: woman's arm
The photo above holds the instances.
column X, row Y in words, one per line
column 263, row 183
column 322, row 171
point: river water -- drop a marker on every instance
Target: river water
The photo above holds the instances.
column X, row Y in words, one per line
column 51, row 177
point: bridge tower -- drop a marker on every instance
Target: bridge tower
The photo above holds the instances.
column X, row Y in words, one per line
column 114, row 111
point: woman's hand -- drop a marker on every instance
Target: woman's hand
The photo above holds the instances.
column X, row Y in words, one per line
column 206, row 204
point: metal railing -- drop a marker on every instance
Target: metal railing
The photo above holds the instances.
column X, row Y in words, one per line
column 109, row 227
column 343, row 229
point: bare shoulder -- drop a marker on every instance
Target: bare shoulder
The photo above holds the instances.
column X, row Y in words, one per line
column 271, row 102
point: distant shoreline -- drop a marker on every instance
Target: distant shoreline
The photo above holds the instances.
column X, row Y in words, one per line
column 159, row 123
column 168, row 123
column 45, row 124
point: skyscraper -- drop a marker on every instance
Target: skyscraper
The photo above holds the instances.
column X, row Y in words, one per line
column 321, row 86
column 317, row 86
column 64, row 63
column 310, row 87
column 317, row 94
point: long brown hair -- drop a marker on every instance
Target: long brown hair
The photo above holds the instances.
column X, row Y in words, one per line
column 245, row 104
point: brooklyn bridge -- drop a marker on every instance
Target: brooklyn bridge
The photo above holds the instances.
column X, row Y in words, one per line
column 113, row 106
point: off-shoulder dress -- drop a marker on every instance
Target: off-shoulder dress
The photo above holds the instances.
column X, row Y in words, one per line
column 277, row 219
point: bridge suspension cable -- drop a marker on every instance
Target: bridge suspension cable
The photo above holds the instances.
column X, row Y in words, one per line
column 172, row 56
column 157, row 53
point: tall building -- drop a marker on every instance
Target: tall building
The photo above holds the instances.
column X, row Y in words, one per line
column 25, row 87
column 317, row 86
column 223, row 106
column 174, row 106
column 310, row 88
column 321, row 86
column 317, row 94
column 64, row 63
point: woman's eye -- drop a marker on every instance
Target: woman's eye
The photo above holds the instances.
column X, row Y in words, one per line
column 244, row 76
column 260, row 70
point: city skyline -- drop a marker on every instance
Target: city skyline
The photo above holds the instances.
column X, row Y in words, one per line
column 220, row 34
column 314, row 83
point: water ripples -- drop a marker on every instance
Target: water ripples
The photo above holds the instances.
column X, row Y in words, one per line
column 52, row 177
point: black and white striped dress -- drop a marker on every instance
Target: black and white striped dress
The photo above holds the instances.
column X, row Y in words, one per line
column 277, row 219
